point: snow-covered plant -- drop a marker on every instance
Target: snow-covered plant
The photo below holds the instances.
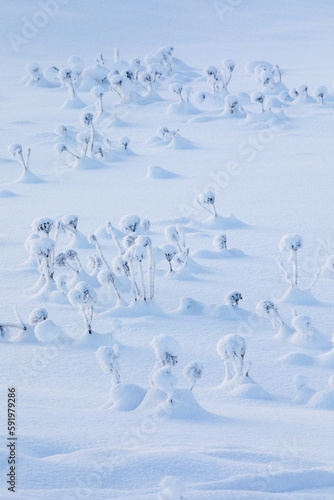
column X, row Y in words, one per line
column 61, row 130
column 258, row 97
column 17, row 152
column 232, row 299
column 129, row 223
column 108, row 358
column 219, row 80
column 124, row 142
column 94, row 241
column 226, row 72
column 84, row 138
column 83, row 297
column 128, row 241
column 131, row 257
column 111, row 230
column 66, row 77
column 37, row 315
column 120, row 85
column 207, row 199
column 302, row 90
column 176, row 88
column 232, row 350
column 42, row 225
column 293, row 93
column 212, row 77
column 156, row 70
column 139, row 254
column 231, row 104
column 220, row 242
column 166, row 350
column 108, row 278
column 319, row 93
column 87, row 121
column 71, row 222
column 6, row 327
column 61, row 148
column 303, row 324
column 291, row 243
column 146, row 224
column 94, row 264
column 43, row 250
column 98, row 92
column 172, row 236
column 165, row 132
column 169, row 251
column 268, row 309
column 34, row 71
column 193, row 372
column 163, row 379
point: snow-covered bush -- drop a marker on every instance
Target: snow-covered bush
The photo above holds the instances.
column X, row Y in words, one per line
column 108, row 278
column 193, row 372
column 108, row 358
column 232, row 350
column 84, row 297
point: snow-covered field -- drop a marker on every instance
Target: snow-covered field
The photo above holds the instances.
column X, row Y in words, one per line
column 265, row 432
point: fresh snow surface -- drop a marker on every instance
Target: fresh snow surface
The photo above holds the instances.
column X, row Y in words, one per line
column 263, row 435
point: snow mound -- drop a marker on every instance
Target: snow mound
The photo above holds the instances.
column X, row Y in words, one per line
column 155, row 172
column 191, row 307
column 5, row 193
column 297, row 358
column 225, row 253
column 47, row 331
column 182, row 108
column 297, row 296
column 245, row 387
column 94, row 340
column 184, row 407
column 219, row 222
column 323, row 400
column 74, row 103
column 137, row 309
column 126, row 397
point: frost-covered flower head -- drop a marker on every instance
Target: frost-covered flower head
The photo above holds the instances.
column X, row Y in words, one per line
column 86, row 119
column 232, row 299
column 171, row 234
column 164, row 380
column 145, row 78
column 119, row 265
column 124, row 142
column 166, row 349
column 319, row 93
column 170, row 251
column 228, row 64
column 146, row 225
column 302, row 89
column 108, row 358
column 193, row 372
column 266, row 308
column 145, row 241
column 293, row 93
column 65, row 75
column 15, row 149
column 34, row 71
column 61, row 130
column 139, row 252
column 129, row 223
column 70, row 220
column 37, row 315
column 219, row 241
column 231, row 346
column 61, row 259
column 75, row 61
column 176, row 88
column 97, row 91
column 210, row 71
column 106, row 276
column 42, row 225
column 302, row 323
column 42, row 247
column 207, row 197
column 290, row 241
column 231, row 103
column 128, row 241
column 155, row 69
column 82, row 293
column 258, row 97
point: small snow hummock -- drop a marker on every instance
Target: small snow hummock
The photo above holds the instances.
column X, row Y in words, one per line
column 172, row 488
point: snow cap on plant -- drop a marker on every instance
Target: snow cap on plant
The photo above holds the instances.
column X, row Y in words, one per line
column 228, row 64
column 290, row 242
column 34, row 71
column 42, row 246
column 231, row 103
column 70, row 220
column 144, row 241
column 172, row 488
column 300, row 381
column 319, row 93
column 207, row 197
column 266, row 308
column 231, row 346
column 302, row 323
column 169, row 251
column 128, row 241
column 86, row 119
column 164, row 380
column 15, row 149
column 129, row 223
column 37, row 315
column 97, row 91
column 61, row 130
column 166, row 349
column 124, row 142
column 82, row 293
